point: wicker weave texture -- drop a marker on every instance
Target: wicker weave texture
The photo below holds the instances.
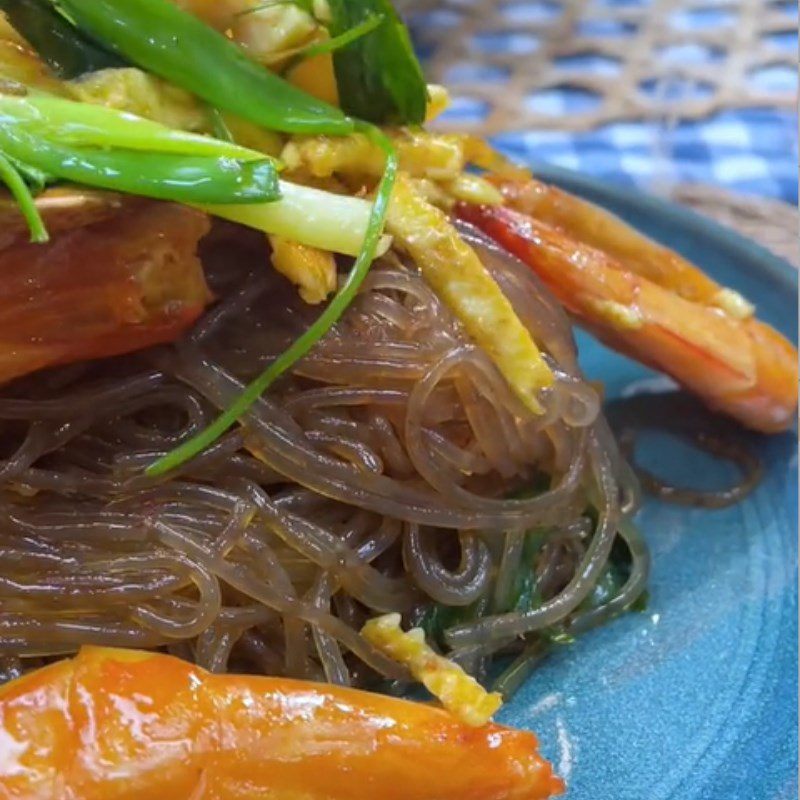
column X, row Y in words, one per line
column 771, row 223
column 628, row 59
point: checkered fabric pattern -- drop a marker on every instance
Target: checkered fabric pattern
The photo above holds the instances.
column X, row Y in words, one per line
column 750, row 152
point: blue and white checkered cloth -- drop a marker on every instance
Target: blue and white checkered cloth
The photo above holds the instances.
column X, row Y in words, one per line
column 751, row 152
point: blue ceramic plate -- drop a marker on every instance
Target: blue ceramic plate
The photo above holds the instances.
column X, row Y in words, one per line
column 695, row 699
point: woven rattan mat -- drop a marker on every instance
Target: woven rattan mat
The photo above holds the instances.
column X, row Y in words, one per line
column 640, row 59
column 771, row 223
column 633, row 59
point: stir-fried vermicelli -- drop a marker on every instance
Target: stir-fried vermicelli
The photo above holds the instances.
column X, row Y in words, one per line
column 393, row 470
column 288, row 390
column 264, row 378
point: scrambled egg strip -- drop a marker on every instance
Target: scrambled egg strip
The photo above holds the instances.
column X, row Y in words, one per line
column 312, row 270
column 421, row 154
column 458, row 692
column 457, row 275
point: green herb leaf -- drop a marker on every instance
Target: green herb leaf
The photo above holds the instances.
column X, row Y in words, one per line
column 438, row 617
column 63, row 48
column 301, row 346
column 379, row 76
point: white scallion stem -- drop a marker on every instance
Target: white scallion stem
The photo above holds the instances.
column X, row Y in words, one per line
column 310, row 216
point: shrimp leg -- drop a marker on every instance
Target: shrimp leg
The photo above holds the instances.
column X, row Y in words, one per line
column 739, row 366
column 119, row 725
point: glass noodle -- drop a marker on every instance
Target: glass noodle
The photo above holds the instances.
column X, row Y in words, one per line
column 392, row 469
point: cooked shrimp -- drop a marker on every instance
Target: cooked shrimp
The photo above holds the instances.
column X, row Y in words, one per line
column 632, row 250
column 107, row 283
column 737, row 365
column 118, row 724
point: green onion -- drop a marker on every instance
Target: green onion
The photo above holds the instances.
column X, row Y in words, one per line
column 162, row 176
column 87, row 125
column 106, row 136
column 307, row 340
column 310, row 216
column 64, row 49
column 334, row 43
column 161, row 38
column 110, row 149
column 36, row 179
column 219, row 126
column 379, row 77
column 22, row 194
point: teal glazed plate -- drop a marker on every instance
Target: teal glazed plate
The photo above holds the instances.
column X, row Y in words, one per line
column 696, row 697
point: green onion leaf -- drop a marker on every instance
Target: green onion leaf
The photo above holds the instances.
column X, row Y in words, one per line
column 301, row 347
column 219, row 126
column 379, row 76
column 63, row 48
column 162, row 176
column 36, row 179
column 86, row 125
column 335, row 43
column 163, row 39
column 22, row 194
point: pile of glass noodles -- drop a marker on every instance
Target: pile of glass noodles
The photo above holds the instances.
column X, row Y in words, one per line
column 391, row 470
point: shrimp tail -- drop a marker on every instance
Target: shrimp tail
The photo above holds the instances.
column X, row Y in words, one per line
column 735, row 363
column 119, row 724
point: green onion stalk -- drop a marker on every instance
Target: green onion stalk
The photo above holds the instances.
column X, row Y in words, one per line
column 101, row 146
column 86, row 125
column 180, row 178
